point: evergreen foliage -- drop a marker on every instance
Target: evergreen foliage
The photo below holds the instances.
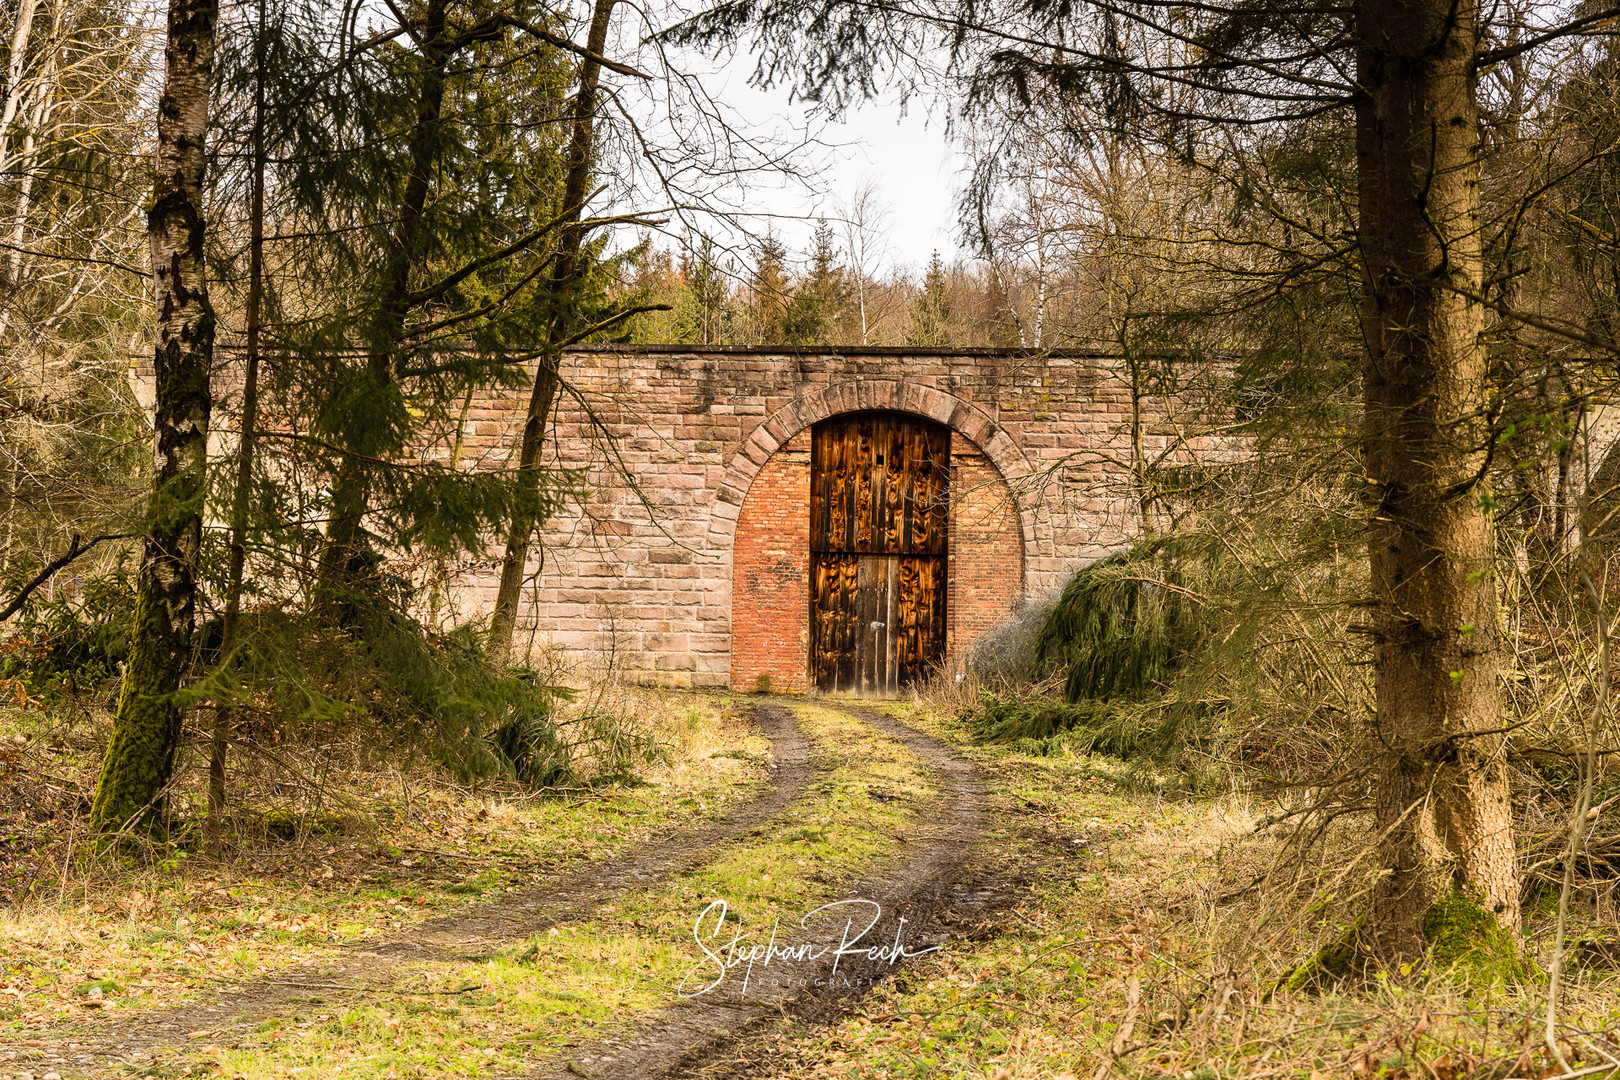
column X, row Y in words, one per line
column 711, row 317
column 1220, row 642
column 69, row 642
column 415, row 181
column 1117, row 636
column 769, row 294
column 931, row 311
column 401, row 684
column 813, row 313
column 1119, row 629
column 1042, row 727
column 418, row 175
column 413, row 190
column 392, row 683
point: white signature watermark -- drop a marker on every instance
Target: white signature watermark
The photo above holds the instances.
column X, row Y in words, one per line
column 721, row 957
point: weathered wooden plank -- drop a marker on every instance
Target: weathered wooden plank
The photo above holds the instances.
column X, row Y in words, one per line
column 866, row 612
column 879, row 484
column 909, row 647
column 878, row 534
column 853, row 624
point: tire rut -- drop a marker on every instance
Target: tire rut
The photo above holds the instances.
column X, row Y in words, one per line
column 366, row 969
column 926, row 879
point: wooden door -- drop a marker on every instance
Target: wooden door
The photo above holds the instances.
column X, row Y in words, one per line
column 878, row 529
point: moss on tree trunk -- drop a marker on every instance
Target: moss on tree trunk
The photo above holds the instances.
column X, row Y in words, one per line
column 140, row 757
column 146, row 731
column 1462, row 934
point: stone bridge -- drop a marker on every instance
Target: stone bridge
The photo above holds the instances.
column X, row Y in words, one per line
column 688, row 561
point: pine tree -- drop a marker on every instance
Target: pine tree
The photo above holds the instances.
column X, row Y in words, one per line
column 712, row 318
column 398, row 196
column 654, row 277
column 931, row 311
column 768, row 294
column 816, row 308
column 564, row 324
column 420, row 172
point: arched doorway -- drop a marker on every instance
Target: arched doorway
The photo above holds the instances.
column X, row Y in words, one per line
column 879, row 539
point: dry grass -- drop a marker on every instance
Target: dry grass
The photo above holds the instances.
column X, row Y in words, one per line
column 1155, row 941
column 357, row 853
column 587, row 978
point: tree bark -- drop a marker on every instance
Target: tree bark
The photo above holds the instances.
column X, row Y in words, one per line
column 219, row 741
column 352, row 491
column 548, row 373
column 1442, row 796
column 146, row 730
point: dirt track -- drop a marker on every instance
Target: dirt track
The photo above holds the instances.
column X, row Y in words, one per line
column 926, row 885
column 367, row 968
column 929, row 886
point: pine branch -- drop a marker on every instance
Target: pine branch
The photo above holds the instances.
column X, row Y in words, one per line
column 76, row 546
column 568, row 46
column 466, row 316
column 433, row 292
column 1496, row 56
column 613, row 320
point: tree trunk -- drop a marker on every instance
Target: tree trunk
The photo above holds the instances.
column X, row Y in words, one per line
column 236, row 570
column 146, row 731
column 1442, row 796
column 548, row 374
column 352, row 491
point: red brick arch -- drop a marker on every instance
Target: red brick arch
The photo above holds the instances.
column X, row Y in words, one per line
column 760, row 527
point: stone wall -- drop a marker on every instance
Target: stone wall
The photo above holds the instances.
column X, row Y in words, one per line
column 686, row 562
column 986, row 562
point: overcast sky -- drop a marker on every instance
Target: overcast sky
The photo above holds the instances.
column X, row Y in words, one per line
column 903, row 154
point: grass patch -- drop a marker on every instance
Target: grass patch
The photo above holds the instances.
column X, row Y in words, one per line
column 577, row 980
column 171, row 933
column 1142, row 945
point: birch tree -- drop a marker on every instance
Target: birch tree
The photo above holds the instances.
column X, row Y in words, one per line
column 146, row 730
column 865, row 221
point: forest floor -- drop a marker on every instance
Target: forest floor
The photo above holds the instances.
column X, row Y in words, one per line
column 1031, row 917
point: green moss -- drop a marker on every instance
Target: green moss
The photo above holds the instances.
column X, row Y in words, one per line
column 1541, row 900
column 286, row 825
column 1462, row 935
column 106, row 986
column 1332, row 962
column 140, row 756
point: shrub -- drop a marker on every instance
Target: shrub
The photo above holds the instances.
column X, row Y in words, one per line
column 1121, row 627
column 1005, row 658
column 74, row 639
